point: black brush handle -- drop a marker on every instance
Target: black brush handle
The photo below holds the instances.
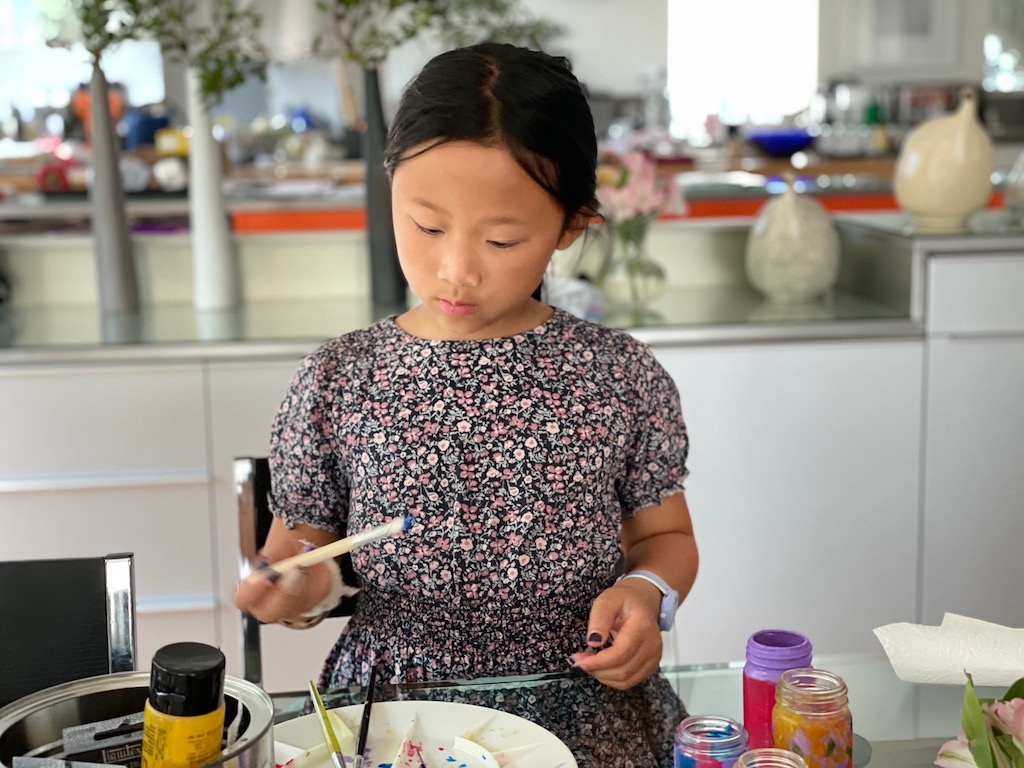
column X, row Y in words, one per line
column 364, row 724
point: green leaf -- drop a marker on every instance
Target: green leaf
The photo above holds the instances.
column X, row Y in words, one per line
column 975, row 726
column 1006, row 746
column 1015, row 691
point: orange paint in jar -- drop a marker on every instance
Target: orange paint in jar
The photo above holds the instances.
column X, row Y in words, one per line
column 812, row 718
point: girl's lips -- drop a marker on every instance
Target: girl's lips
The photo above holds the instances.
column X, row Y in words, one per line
column 456, row 308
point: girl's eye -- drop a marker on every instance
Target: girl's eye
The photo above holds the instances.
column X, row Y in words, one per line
column 502, row 244
column 428, row 230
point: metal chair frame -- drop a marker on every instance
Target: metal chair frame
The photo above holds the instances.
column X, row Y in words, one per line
column 252, row 491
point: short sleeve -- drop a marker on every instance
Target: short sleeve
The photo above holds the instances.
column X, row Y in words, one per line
column 308, row 485
column 659, row 444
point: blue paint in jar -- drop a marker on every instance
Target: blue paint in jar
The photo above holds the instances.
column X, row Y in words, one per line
column 708, row 741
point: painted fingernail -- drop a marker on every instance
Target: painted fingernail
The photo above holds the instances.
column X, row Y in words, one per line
column 309, row 547
column 596, row 638
column 271, row 575
column 262, row 563
column 572, row 660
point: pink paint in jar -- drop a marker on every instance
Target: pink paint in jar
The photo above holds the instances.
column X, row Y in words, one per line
column 770, row 652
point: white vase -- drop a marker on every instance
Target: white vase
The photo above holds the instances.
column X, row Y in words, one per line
column 944, row 169
column 792, row 250
column 216, row 283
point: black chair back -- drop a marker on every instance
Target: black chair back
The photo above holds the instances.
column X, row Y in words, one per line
column 63, row 620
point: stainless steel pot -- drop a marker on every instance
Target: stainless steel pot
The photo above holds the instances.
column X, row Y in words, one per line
column 34, row 725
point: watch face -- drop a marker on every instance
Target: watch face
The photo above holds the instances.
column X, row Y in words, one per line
column 669, row 604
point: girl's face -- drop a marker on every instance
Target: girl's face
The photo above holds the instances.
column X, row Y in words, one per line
column 475, row 233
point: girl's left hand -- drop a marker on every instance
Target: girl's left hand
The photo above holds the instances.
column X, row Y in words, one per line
column 623, row 643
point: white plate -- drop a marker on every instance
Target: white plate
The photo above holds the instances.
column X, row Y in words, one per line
column 515, row 742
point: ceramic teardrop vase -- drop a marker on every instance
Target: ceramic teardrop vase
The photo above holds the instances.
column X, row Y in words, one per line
column 944, row 170
column 792, row 252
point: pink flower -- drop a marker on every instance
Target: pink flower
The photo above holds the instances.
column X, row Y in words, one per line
column 955, row 753
column 632, row 189
column 1009, row 715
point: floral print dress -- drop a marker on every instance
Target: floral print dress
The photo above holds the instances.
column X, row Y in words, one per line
column 517, row 458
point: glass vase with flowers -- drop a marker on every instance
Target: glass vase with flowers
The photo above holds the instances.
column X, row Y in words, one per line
column 632, row 194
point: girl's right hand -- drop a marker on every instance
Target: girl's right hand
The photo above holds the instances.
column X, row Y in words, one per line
column 272, row 597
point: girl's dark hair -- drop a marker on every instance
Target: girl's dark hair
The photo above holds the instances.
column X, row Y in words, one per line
column 502, row 95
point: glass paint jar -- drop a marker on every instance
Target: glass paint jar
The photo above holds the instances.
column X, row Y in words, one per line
column 812, row 718
column 770, row 757
column 708, row 741
column 770, row 652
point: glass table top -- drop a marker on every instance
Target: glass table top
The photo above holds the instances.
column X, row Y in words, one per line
column 899, row 723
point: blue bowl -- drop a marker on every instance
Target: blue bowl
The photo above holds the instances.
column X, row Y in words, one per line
column 780, row 142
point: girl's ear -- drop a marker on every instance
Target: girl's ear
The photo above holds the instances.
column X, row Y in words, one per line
column 577, row 226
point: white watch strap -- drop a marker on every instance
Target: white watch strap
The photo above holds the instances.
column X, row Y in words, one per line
column 649, row 577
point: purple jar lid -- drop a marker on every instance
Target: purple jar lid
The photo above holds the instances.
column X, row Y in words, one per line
column 779, row 649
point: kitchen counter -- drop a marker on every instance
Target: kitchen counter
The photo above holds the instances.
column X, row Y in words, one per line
column 880, row 295
column 728, row 314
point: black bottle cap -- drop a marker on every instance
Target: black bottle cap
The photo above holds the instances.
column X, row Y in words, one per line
column 187, row 679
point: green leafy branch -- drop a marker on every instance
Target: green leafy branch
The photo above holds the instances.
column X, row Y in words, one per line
column 366, row 31
column 465, row 22
column 98, row 25
column 223, row 47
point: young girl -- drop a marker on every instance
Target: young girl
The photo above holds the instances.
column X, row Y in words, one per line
column 535, row 451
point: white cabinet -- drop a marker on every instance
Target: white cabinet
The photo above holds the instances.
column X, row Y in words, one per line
column 974, row 439
column 105, row 458
column 976, row 294
column 804, row 480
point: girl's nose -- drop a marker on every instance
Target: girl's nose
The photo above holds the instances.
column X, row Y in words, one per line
column 460, row 266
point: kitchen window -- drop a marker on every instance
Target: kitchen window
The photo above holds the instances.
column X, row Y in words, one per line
column 746, row 62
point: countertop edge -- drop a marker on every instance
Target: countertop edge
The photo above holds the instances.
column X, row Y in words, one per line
column 773, row 333
column 296, row 348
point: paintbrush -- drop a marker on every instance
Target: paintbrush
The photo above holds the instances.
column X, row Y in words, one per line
column 364, row 724
column 330, row 738
column 340, row 547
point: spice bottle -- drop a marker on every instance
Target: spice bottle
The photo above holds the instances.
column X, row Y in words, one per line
column 770, row 652
column 709, row 741
column 812, row 718
column 770, row 758
column 184, row 719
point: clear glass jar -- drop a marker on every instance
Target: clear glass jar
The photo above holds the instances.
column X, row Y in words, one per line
column 812, row 718
column 770, row 757
column 709, row 740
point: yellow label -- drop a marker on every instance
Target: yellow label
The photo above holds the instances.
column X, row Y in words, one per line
column 181, row 742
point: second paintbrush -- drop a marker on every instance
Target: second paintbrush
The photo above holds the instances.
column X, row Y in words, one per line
column 364, row 725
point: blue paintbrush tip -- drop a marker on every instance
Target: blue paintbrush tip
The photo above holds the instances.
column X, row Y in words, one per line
column 407, row 523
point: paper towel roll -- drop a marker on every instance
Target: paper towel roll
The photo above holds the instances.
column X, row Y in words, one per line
column 993, row 654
